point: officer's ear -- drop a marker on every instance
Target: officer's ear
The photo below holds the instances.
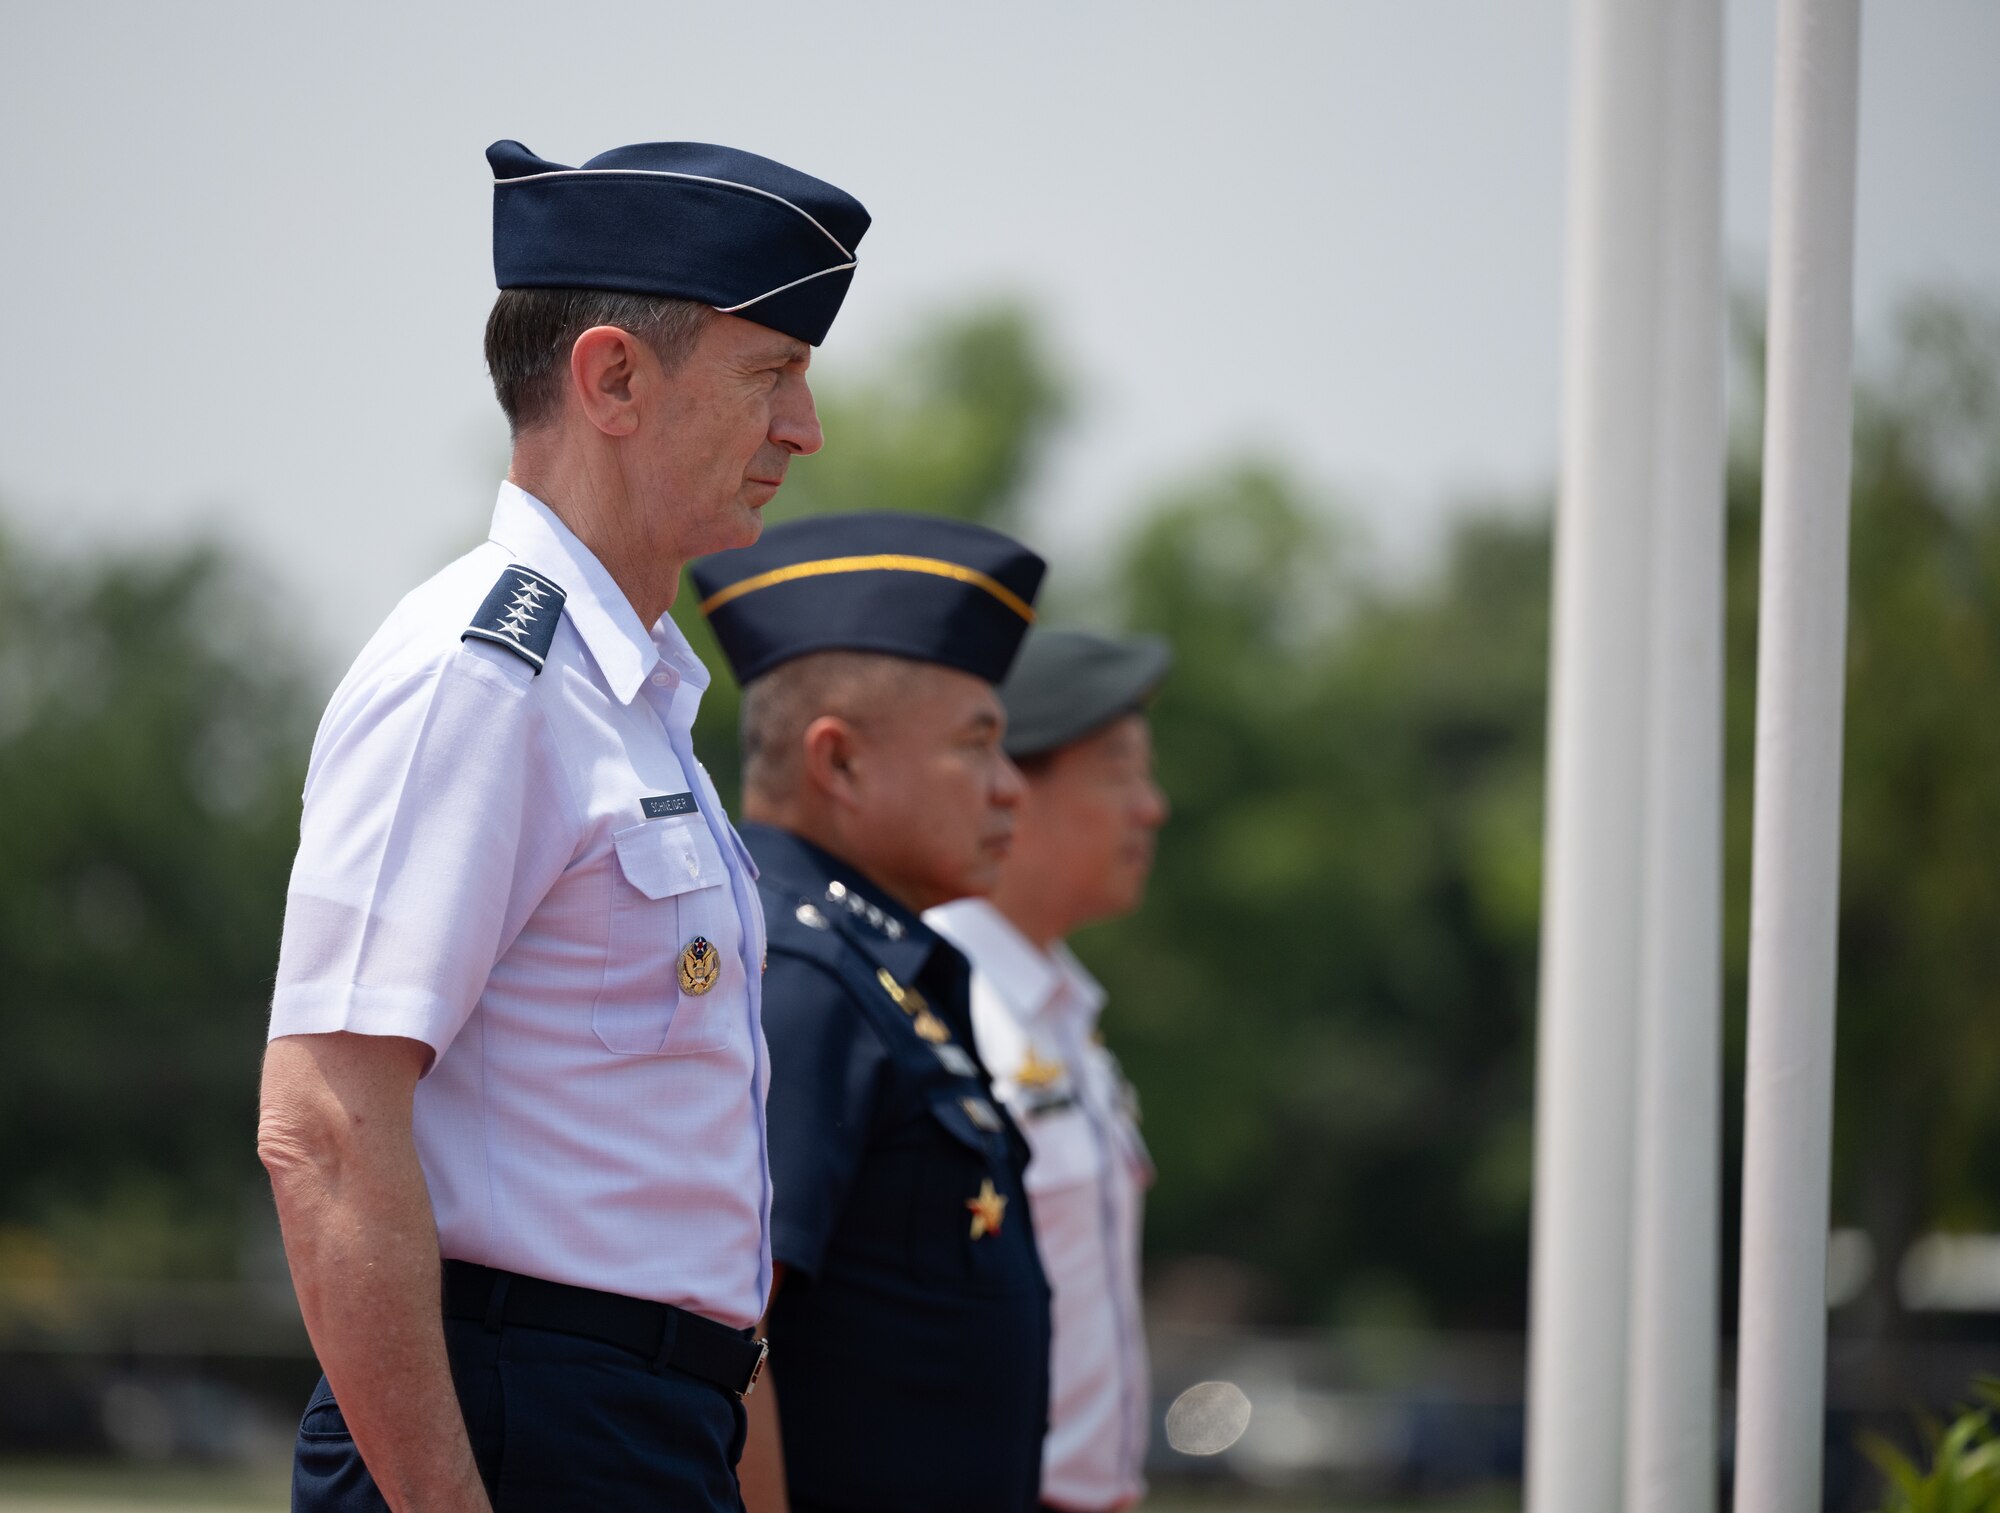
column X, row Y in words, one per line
column 831, row 754
column 602, row 365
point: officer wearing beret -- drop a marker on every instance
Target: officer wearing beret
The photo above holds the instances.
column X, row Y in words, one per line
column 910, row 1330
column 513, row 1099
column 1083, row 844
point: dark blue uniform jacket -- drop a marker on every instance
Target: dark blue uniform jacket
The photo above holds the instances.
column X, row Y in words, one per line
column 910, row 1341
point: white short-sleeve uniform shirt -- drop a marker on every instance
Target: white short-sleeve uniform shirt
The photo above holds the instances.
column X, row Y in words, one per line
column 507, row 864
column 1034, row 1018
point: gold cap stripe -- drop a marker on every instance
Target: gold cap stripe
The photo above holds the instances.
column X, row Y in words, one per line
column 882, row 562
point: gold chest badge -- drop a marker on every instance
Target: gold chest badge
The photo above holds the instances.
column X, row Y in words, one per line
column 700, row 966
column 1037, row 1073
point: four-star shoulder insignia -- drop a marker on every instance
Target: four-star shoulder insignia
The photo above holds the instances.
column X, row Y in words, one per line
column 838, row 892
column 989, row 1209
column 520, row 614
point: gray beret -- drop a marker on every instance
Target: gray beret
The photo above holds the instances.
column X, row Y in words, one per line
column 1067, row 683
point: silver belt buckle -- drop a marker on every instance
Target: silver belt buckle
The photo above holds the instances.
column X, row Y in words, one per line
column 763, row 1355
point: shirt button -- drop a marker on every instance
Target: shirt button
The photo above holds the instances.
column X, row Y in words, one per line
column 662, row 679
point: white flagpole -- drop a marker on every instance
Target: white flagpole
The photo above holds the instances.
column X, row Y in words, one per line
column 1794, row 894
column 1670, row 1456
column 1590, row 902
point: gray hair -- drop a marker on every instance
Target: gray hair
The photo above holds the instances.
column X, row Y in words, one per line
column 531, row 331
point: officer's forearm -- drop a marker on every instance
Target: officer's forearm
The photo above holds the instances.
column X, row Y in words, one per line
column 762, row 1469
column 334, row 1132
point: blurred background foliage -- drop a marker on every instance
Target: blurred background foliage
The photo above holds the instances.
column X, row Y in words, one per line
column 1327, row 1003
column 153, row 736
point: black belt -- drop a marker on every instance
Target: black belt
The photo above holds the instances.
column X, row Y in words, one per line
column 659, row 1332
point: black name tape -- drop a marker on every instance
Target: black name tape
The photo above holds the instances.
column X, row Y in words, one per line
column 659, row 805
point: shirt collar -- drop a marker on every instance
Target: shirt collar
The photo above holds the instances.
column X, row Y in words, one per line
column 624, row 650
column 893, row 937
column 1086, row 992
column 1027, row 980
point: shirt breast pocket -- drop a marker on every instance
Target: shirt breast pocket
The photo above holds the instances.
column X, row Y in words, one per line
column 670, row 887
column 967, row 1227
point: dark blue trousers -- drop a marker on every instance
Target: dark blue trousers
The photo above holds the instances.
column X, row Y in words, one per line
column 559, row 1424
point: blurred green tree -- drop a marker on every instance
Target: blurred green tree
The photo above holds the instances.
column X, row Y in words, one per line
column 1917, row 1101
column 1329, row 998
column 152, row 742
column 1326, row 997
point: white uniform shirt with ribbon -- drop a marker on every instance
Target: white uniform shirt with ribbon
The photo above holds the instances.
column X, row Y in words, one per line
column 508, row 862
column 1034, row 1017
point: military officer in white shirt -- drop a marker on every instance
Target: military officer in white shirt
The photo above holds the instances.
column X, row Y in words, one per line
column 513, row 1099
column 1083, row 846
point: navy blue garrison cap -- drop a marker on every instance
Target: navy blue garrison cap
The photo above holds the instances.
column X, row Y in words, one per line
column 909, row 585
column 1068, row 683
column 685, row 219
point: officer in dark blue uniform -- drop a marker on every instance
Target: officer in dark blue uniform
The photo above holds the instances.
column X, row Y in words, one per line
column 910, row 1327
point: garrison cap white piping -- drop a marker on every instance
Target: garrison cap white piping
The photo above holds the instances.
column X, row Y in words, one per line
column 732, row 309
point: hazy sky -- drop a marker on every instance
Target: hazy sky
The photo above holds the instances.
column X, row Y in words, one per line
column 246, row 258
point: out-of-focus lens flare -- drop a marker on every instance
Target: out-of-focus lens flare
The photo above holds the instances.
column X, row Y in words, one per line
column 1208, row 1418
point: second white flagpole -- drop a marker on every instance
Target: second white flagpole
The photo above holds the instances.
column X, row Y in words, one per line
column 1801, row 686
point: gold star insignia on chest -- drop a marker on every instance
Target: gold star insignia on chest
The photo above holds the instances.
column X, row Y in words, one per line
column 989, row 1209
column 700, row 966
column 1034, row 1072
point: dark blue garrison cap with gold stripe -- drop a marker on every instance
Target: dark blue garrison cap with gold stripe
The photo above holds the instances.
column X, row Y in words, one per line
column 685, row 219
column 908, row 585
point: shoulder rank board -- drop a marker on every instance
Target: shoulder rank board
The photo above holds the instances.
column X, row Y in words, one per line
column 520, row 614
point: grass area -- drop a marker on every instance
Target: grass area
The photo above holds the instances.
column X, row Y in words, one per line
column 100, row 1488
